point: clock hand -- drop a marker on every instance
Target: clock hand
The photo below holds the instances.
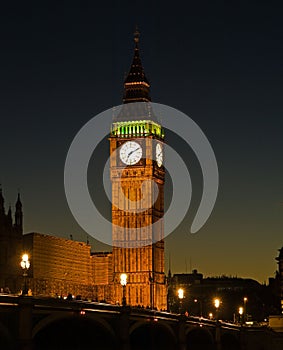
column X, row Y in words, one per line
column 159, row 154
column 132, row 152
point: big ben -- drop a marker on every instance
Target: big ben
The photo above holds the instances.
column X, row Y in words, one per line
column 137, row 175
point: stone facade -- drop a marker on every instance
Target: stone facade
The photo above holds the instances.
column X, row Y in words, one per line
column 143, row 264
column 58, row 266
column 102, row 274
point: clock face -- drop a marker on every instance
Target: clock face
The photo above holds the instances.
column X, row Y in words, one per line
column 130, row 152
column 159, row 155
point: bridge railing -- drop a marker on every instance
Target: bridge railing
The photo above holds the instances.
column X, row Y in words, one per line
column 12, row 300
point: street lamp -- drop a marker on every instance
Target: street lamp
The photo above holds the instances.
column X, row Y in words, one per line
column 245, row 308
column 216, row 304
column 181, row 297
column 25, row 265
column 241, row 311
column 123, row 281
column 200, row 305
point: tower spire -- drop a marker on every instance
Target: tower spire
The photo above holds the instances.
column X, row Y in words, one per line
column 19, row 215
column 9, row 216
column 19, row 203
column 137, row 35
column 136, row 85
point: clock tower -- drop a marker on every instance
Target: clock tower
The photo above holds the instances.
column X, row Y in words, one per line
column 137, row 176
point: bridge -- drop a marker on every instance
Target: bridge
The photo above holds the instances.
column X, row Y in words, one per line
column 33, row 323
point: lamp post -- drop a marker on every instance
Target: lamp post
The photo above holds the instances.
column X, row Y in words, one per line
column 216, row 304
column 123, row 281
column 181, row 297
column 200, row 305
column 245, row 308
column 241, row 311
column 25, row 265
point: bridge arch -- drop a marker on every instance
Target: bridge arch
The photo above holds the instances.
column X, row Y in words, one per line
column 46, row 321
column 199, row 339
column 152, row 335
column 230, row 342
column 65, row 315
column 73, row 331
column 6, row 339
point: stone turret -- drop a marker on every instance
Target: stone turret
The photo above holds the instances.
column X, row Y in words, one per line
column 11, row 243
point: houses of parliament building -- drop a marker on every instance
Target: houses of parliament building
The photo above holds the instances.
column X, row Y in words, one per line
column 60, row 266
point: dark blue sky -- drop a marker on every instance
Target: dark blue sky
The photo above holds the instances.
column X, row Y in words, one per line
column 61, row 63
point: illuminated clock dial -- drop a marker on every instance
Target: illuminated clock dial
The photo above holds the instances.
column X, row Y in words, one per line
column 159, row 155
column 130, row 152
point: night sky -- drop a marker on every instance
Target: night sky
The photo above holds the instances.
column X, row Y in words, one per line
column 62, row 63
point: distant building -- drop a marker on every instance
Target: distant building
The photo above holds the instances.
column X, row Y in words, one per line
column 183, row 281
column 280, row 276
column 200, row 292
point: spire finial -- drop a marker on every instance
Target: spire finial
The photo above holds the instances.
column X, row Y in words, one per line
column 19, row 194
column 137, row 35
column 136, row 86
column 18, row 202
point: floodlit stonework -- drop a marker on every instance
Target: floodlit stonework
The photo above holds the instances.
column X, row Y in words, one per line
column 139, row 252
